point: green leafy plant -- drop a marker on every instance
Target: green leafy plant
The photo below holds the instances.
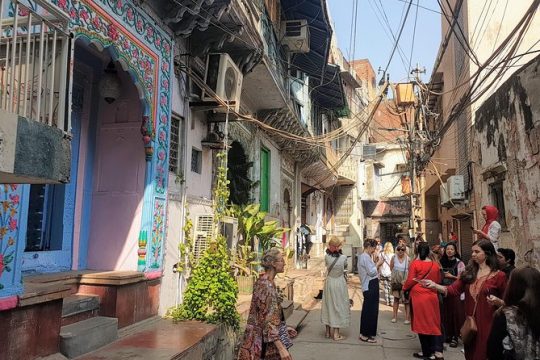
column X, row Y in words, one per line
column 187, row 256
column 245, row 261
column 212, row 292
column 252, row 224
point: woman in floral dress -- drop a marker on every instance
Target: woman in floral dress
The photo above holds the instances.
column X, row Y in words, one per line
column 267, row 336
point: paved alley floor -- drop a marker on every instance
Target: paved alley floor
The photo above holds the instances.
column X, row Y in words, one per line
column 395, row 341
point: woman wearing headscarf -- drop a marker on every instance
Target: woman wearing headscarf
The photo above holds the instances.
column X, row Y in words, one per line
column 267, row 335
column 335, row 309
column 491, row 229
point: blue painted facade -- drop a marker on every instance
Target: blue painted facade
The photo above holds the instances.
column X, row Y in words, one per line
column 132, row 38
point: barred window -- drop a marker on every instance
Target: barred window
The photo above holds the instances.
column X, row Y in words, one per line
column 176, row 152
column 196, row 160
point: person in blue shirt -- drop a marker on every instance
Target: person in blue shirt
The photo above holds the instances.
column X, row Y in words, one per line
column 368, row 271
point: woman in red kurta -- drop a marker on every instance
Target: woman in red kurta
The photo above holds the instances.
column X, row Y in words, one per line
column 479, row 281
column 426, row 315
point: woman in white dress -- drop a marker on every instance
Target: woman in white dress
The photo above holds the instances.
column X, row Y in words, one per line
column 335, row 312
column 386, row 273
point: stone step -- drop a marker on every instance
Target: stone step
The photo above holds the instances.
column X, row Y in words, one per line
column 295, row 320
column 78, row 303
column 288, row 308
column 87, row 335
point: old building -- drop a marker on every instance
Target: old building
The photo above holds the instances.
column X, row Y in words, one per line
column 463, row 171
column 97, row 157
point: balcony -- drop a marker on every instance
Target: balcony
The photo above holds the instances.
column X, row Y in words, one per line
column 35, row 57
column 269, row 76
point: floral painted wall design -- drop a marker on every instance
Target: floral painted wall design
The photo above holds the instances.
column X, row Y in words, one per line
column 9, row 210
column 147, row 50
column 158, row 228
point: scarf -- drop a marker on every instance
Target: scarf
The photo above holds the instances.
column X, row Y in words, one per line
column 492, row 214
column 449, row 265
column 333, row 251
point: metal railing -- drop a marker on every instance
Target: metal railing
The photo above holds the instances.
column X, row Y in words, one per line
column 275, row 53
column 35, row 59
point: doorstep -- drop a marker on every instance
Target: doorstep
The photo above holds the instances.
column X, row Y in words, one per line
column 159, row 340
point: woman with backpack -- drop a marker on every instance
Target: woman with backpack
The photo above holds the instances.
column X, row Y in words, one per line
column 399, row 266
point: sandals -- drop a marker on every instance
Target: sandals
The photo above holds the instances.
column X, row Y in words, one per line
column 339, row 338
column 369, row 339
column 453, row 343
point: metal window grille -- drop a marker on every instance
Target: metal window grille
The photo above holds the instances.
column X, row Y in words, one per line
column 175, row 138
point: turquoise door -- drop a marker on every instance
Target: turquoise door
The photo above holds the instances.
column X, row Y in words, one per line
column 51, row 210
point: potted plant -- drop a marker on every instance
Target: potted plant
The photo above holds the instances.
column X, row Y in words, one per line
column 245, row 264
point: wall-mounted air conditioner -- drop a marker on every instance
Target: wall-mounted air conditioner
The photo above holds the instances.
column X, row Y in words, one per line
column 225, row 79
column 369, row 151
column 295, row 35
column 456, row 187
column 452, row 191
column 229, row 229
column 202, row 234
column 443, row 193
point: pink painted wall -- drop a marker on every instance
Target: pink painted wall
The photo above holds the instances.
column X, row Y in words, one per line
column 118, row 184
column 83, row 76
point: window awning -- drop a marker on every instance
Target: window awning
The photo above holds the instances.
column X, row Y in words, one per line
column 330, row 93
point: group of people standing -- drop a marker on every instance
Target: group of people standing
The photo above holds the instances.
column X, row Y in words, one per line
column 488, row 303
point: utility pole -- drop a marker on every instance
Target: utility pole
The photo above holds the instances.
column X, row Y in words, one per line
column 416, row 146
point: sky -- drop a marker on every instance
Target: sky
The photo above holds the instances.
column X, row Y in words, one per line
column 373, row 38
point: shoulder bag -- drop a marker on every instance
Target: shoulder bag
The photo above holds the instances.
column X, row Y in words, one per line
column 469, row 329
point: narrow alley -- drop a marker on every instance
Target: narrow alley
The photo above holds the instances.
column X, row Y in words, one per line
column 179, row 179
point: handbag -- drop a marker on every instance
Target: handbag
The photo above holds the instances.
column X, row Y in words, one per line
column 396, row 286
column 469, row 329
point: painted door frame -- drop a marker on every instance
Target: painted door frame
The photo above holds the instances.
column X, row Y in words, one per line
column 60, row 260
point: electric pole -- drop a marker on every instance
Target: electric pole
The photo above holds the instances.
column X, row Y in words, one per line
column 416, row 148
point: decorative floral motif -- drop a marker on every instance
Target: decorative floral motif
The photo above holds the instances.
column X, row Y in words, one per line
column 158, row 228
column 147, row 50
column 9, row 206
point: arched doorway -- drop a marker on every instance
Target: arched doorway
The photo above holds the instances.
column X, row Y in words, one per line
column 286, row 217
column 329, row 216
column 238, row 175
column 115, row 173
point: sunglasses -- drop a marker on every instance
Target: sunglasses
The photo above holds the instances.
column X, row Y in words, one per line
column 400, row 249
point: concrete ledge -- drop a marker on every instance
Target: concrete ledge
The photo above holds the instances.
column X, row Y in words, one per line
column 88, row 335
column 76, row 304
column 35, row 293
column 114, row 278
column 295, row 320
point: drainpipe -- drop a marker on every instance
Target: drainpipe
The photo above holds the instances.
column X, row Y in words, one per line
column 187, row 121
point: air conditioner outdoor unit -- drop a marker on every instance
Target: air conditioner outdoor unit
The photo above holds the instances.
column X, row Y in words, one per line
column 369, row 151
column 229, row 229
column 295, row 35
column 224, row 78
column 443, row 191
column 202, row 234
column 456, row 187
